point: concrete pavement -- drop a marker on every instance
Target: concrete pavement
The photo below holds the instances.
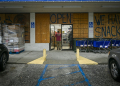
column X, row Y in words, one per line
column 56, row 75
column 57, row 57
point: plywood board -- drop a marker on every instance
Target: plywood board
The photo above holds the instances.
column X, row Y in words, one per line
column 61, row 18
column 42, row 28
column 75, row 15
column 75, row 31
column 81, row 23
column 2, row 18
column 75, row 26
column 106, row 24
column 75, row 36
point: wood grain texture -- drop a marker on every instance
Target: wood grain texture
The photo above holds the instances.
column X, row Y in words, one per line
column 42, row 30
column 106, row 25
column 80, row 24
column 61, row 18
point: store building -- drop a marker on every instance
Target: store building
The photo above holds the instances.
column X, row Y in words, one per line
column 83, row 18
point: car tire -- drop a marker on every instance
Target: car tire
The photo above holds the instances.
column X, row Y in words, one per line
column 3, row 62
column 114, row 70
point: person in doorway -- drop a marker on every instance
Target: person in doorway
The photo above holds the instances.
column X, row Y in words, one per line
column 58, row 39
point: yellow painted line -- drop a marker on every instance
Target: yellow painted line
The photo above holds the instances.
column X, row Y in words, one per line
column 83, row 60
column 38, row 61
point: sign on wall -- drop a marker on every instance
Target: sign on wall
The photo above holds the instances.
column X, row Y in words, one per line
column 107, row 25
column 90, row 24
column 32, row 24
column 61, row 18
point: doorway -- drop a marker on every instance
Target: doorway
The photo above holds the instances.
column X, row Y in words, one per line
column 53, row 30
column 66, row 36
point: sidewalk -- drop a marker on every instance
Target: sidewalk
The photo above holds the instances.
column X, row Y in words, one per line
column 57, row 57
column 24, row 57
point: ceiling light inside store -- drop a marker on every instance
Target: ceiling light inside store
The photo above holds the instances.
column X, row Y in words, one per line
column 116, row 6
column 13, row 6
column 71, row 6
column 52, row 6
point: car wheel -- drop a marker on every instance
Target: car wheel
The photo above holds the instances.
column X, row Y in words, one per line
column 4, row 62
column 114, row 71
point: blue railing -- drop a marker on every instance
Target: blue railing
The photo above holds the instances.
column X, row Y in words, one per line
column 57, row 0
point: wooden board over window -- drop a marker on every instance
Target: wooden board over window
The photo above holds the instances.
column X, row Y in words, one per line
column 42, row 29
column 107, row 25
column 20, row 18
column 61, row 18
column 80, row 25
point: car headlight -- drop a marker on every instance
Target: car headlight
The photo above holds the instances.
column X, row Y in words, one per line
column 113, row 55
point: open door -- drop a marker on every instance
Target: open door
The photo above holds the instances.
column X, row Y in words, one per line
column 67, row 37
column 52, row 37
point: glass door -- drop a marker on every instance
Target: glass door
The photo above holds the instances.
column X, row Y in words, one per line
column 52, row 37
column 67, row 37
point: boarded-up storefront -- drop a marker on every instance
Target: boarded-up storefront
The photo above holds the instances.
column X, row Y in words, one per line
column 107, row 25
column 43, row 21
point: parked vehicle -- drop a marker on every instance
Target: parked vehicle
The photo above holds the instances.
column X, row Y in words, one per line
column 114, row 63
column 4, row 57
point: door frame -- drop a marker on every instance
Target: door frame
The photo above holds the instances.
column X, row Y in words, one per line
column 50, row 38
column 61, row 36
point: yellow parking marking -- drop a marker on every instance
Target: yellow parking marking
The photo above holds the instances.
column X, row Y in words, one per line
column 39, row 60
column 83, row 60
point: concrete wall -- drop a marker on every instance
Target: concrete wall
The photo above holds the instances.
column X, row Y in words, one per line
column 91, row 29
column 32, row 46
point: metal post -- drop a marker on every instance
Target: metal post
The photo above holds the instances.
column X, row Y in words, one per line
column 87, row 45
column 77, row 53
column 74, row 45
column 111, row 44
column 44, row 52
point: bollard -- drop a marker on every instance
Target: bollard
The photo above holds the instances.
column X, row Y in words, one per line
column 74, row 45
column 44, row 52
column 77, row 53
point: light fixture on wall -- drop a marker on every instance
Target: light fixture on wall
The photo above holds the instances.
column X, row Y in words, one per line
column 52, row 6
column 13, row 6
column 71, row 6
column 111, row 6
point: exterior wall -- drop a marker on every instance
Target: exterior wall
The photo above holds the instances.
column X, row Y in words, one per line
column 32, row 46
